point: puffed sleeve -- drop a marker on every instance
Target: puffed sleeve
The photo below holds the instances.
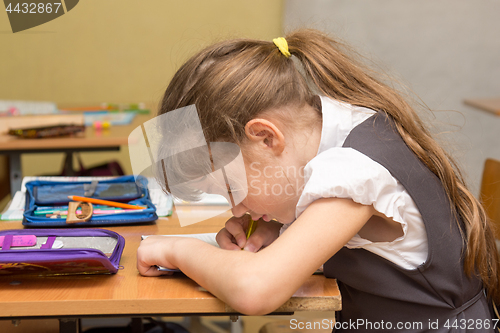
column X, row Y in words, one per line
column 346, row 173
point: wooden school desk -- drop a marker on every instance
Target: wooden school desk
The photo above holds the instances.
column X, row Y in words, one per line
column 128, row 294
column 104, row 140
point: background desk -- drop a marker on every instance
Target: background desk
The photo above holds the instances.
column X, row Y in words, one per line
column 92, row 140
column 128, row 294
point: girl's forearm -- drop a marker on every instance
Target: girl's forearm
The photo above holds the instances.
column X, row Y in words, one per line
column 242, row 279
column 258, row 283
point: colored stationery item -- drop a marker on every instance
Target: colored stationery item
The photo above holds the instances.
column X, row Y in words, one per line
column 25, row 108
column 19, row 240
column 61, row 252
column 110, row 210
column 251, row 228
column 86, row 212
column 53, row 208
column 104, row 107
column 115, row 119
column 122, row 200
column 40, row 132
column 102, row 212
column 104, row 202
column 14, row 211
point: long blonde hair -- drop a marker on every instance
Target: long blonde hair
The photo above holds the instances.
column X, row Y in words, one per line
column 231, row 82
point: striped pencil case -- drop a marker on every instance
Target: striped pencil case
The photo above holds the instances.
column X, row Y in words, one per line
column 60, row 251
column 48, row 203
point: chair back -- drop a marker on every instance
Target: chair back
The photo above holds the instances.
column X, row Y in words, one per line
column 490, row 193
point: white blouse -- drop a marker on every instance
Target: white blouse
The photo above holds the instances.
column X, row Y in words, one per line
column 346, row 173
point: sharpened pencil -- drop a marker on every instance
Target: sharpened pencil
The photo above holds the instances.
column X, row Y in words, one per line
column 104, row 202
column 251, row 228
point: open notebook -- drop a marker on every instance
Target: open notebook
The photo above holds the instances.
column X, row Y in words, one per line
column 208, row 238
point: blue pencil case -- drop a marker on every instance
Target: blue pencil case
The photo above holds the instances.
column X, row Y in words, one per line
column 47, row 202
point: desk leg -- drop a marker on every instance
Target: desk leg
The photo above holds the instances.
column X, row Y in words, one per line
column 69, row 325
column 137, row 325
column 16, row 174
column 236, row 324
column 195, row 324
column 68, row 165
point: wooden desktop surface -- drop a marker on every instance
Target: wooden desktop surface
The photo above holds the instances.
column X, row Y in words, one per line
column 129, row 294
column 115, row 136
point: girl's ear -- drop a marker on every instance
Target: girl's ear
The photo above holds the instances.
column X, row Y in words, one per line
column 265, row 134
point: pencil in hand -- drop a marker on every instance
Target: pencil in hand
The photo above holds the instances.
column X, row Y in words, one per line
column 251, row 228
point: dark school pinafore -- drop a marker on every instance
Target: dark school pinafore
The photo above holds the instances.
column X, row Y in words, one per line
column 380, row 296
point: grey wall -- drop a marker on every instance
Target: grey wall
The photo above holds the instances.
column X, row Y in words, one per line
column 443, row 50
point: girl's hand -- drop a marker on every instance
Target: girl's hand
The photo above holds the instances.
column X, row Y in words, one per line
column 233, row 236
column 153, row 252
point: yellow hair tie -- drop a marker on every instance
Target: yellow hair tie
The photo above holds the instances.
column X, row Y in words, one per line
column 282, row 45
